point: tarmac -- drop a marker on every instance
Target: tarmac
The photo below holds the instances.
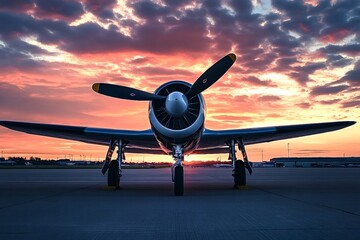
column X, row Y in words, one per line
column 278, row 203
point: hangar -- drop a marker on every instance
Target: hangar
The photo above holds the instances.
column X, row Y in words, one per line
column 316, row 162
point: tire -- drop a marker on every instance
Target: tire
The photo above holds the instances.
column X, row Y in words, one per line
column 113, row 174
column 179, row 181
column 239, row 173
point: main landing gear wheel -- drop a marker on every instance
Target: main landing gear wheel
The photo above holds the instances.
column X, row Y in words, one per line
column 113, row 174
column 179, row 181
column 239, row 173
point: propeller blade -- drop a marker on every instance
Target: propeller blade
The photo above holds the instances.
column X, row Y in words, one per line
column 210, row 76
column 122, row 92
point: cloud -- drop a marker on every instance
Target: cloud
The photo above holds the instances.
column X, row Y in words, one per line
column 269, row 98
column 352, row 77
column 351, row 104
column 335, row 61
column 349, row 49
column 17, row 5
column 101, row 8
column 59, row 9
column 330, row 102
column 254, row 81
column 17, row 54
column 301, row 73
column 304, row 105
column 328, row 90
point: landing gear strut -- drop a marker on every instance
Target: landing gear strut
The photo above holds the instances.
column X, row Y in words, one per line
column 114, row 168
column 238, row 167
column 177, row 171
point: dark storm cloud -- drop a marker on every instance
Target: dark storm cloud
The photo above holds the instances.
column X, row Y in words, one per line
column 262, row 42
column 269, row 98
column 64, row 9
column 187, row 33
column 55, row 9
column 352, row 77
column 285, row 63
column 16, row 5
column 326, row 21
column 341, row 16
column 257, row 82
column 297, row 18
column 301, row 73
column 88, row 37
column 149, row 10
column 329, row 102
column 350, row 49
column 17, row 54
column 328, row 90
column 304, row 105
column 338, row 61
column 176, row 3
column 350, row 104
column 101, row 8
column 244, row 7
column 16, row 25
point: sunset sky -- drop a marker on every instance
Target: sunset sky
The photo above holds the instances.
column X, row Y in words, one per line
column 297, row 62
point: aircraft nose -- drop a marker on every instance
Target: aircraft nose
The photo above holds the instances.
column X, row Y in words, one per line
column 176, row 104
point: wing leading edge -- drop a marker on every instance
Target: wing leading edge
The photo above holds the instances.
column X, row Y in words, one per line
column 213, row 141
column 138, row 141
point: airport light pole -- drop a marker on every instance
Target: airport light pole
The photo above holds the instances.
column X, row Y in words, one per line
column 288, row 148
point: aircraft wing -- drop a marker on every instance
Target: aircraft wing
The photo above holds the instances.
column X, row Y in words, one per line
column 214, row 141
column 138, row 141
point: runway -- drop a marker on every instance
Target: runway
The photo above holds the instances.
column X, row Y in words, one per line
column 281, row 203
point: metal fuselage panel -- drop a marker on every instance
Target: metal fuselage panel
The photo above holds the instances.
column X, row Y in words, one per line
column 188, row 137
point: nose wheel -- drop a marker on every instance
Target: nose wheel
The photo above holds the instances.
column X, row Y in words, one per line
column 177, row 171
column 179, row 181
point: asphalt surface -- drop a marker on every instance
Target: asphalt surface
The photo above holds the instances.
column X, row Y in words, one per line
column 282, row 203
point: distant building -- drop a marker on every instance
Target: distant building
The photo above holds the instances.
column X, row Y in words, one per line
column 63, row 162
column 7, row 163
column 317, row 162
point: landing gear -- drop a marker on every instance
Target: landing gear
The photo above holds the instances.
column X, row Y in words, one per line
column 177, row 171
column 113, row 167
column 113, row 174
column 239, row 173
column 179, row 181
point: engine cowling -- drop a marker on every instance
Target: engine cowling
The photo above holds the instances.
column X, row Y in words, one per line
column 177, row 123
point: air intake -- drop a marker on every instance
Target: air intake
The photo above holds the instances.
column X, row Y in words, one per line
column 172, row 122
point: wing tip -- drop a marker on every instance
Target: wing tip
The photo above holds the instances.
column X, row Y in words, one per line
column 350, row 123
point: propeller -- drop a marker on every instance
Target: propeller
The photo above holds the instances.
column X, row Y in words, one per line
column 210, row 76
column 122, row 92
